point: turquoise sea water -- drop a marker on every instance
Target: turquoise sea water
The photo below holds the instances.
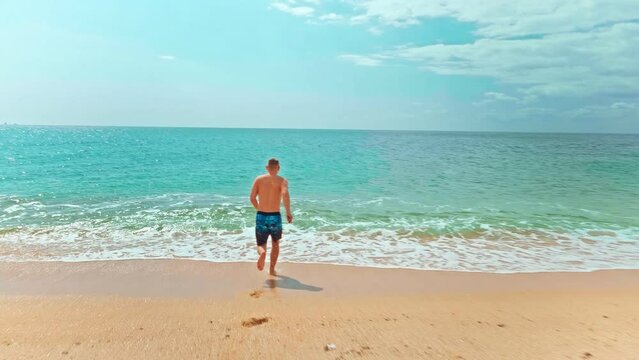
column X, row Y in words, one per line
column 500, row 202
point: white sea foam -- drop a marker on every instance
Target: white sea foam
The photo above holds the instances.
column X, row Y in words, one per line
column 489, row 250
column 358, row 232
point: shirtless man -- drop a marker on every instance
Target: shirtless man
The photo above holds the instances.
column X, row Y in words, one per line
column 270, row 188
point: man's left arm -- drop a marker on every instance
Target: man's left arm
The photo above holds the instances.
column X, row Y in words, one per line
column 287, row 201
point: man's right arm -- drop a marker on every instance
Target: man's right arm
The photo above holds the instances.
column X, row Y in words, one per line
column 287, row 201
column 254, row 195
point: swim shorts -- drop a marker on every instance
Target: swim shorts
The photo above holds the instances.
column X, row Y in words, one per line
column 268, row 223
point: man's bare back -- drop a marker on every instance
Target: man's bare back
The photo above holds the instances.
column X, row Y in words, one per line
column 268, row 191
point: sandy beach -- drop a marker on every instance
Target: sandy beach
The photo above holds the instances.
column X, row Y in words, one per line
column 445, row 180
column 168, row 309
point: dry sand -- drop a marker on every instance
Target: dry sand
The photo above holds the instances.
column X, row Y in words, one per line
column 168, row 309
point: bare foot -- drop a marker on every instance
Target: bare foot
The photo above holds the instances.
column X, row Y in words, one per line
column 272, row 272
column 261, row 260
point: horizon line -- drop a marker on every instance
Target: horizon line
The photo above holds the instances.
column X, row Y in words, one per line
column 316, row 129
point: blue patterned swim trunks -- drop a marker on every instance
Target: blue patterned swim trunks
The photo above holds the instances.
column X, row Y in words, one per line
column 267, row 223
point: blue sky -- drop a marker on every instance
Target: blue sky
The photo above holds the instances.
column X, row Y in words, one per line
column 499, row 65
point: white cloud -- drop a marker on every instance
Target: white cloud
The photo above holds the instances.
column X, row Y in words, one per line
column 503, row 18
column 543, row 47
column 554, row 53
column 361, row 60
column 499, row 96
column 493, row 96
column 293, row 10
column 330, row 17
column 357, row 20
column 623, row 105
column 166, row 57
column 375, row 30
column 600, row 61
column 602, row 111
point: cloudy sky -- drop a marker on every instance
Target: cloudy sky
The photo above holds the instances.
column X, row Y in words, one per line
column 496, row 65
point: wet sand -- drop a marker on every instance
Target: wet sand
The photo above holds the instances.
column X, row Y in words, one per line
column 168, row 309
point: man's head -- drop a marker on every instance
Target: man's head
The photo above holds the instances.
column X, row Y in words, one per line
column 273, row 166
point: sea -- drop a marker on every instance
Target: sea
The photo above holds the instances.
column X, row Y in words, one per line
column 467, row 201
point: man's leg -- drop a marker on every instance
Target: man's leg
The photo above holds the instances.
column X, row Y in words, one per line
column 275, row 252
column 261, row 237
column 261, row 251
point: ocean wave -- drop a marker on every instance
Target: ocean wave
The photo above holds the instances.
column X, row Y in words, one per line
column 490, row 249
column 373, row 231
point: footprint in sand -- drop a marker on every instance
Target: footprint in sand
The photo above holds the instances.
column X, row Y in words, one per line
column 256, row 294
column 587, row 355
column 255, row 321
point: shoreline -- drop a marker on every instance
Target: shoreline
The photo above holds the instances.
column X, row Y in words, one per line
column 303, row 263
column 183, row 277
